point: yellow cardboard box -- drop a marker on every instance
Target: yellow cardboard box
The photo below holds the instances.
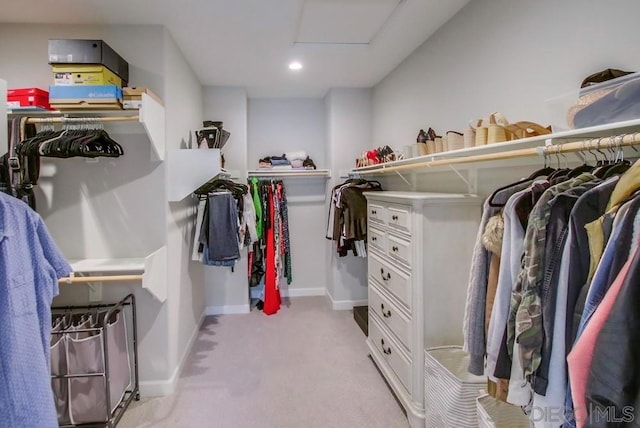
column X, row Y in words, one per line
column 132, row 97
column 77, row 74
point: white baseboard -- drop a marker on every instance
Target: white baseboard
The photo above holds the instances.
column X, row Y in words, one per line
column 345, row 305
column 161, row 388
column 294, row 292
column 228, row 309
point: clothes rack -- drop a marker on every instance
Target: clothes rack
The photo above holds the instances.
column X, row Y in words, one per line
column 64, row 119
column 105, row 278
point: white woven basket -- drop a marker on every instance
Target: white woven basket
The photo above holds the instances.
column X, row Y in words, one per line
column 494, row 413
column 450, row 390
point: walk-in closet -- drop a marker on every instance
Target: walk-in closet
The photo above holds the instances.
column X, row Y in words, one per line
column 345, row 213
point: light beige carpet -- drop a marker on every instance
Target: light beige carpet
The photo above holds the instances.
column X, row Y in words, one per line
column 307, row 366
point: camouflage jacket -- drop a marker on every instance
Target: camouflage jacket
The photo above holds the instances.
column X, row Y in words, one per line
column 525, row 311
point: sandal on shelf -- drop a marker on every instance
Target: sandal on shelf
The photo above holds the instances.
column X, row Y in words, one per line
column 469, row 135
column 497, row 131
column 455, row 140
column 526, row 129
column 491, row 130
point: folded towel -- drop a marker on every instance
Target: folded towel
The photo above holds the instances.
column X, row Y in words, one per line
column 297, row 163
column 295, row 155
column 275, row 162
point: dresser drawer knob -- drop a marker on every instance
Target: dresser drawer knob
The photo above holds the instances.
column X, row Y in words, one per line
column 374, row 239
column 374, row 212
column 386, row 351
column 386, row 277
column 395, row 249
column 394, row 218
column 385, row 314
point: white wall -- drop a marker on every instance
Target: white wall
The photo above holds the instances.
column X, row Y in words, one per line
column 116, row 207
column 227, row 291
column 184, row 107
column 229, row 104
column 275, row 127
column 280, row 125
column 27, row 45
column 112, row 208
column 507, row 56
column 348, row 125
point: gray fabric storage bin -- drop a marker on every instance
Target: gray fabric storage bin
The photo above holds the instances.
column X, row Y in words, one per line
column 450, row 390
column 83, row 399
column 60, row 387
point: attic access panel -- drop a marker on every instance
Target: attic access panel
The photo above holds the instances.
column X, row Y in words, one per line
column 343, row 21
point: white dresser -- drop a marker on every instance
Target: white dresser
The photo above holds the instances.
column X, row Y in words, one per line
column 420, row 247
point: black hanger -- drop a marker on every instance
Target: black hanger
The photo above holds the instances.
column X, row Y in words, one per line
column 617, row 169
column 500, row 189
column 542, row 172
column 580, row 169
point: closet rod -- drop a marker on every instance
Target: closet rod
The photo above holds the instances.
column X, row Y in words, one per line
column 83, row 119
column 110, row 278
column 624, row 140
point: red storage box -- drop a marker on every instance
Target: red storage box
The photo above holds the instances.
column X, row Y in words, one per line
column 31, row 98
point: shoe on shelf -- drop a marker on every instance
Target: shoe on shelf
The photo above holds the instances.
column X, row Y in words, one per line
column 526, row 129
column 422, row 137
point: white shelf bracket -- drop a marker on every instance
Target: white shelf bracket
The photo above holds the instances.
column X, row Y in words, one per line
column 152, row 118
column 471, row 182
column 404, row 179
column 155, row 274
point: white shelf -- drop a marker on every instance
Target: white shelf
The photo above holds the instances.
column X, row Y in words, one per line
column 152, row 267
column 151, row 115
column 508, row 146
column 188, row 169
column 132, row 265
column 286, row 173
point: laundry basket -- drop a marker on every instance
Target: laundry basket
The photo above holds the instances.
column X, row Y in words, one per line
column 450, row 391
column 494, row 413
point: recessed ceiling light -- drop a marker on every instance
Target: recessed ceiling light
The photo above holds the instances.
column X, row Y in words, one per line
column 295, row 65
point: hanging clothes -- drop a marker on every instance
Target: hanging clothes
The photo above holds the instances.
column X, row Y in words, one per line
column 220, row 233
column 473, row 330
column 225, row 223
column 548, row 291
column 30, row 266
column 21, row 171
column 347, row 218
column 271, row 256
column 271, row 292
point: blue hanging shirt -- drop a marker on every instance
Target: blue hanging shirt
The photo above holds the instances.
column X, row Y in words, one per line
column 30, row 266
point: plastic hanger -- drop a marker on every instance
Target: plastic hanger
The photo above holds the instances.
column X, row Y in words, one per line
column 546, row 170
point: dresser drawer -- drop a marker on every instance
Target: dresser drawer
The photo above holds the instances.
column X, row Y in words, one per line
column 381, row 340
column 399, row 217
column 390, row 316
column 399, row 249
column 377, row 214
column 377, row 239
column 391, row 279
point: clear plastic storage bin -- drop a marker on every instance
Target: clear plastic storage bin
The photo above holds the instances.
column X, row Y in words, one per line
column 616, row 100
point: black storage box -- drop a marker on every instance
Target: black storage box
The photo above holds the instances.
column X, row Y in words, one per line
column 77, row 51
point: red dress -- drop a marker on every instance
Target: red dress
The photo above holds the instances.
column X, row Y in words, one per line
column 271, row 292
